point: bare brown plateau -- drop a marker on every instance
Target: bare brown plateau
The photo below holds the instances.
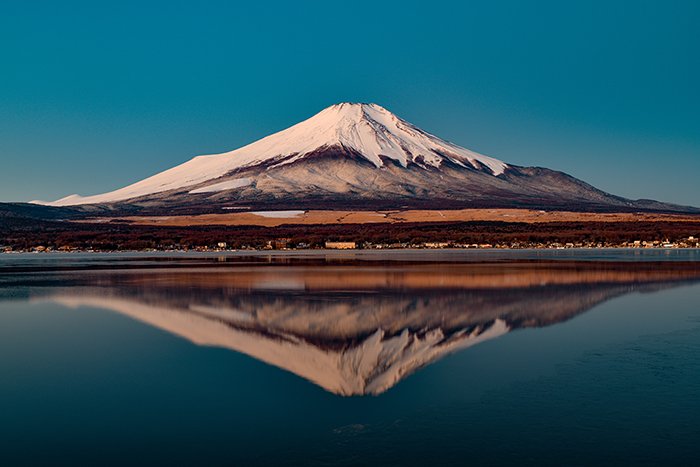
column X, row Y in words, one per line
column 325, row 217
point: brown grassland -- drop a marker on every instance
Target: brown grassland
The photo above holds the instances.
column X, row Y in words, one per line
column 320, row 217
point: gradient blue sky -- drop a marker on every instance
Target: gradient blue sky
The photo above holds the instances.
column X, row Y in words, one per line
column 93, row 97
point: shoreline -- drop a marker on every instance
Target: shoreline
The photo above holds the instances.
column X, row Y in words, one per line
column 345, row 252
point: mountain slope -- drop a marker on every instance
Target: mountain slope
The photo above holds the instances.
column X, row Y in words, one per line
column 356, row 156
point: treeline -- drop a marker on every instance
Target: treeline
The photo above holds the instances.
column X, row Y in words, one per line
column 120, row 236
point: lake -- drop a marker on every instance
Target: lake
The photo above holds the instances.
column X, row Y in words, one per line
column 446, row 357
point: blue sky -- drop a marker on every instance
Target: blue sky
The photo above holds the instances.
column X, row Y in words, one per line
column 95, row 96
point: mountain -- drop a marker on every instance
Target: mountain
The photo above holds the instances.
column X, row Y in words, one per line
column 357, row 156
column 28, row 217
column 31, row 211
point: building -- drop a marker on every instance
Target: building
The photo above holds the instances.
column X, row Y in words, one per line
column 341, row 245
column 278, row 244
column 437, row 244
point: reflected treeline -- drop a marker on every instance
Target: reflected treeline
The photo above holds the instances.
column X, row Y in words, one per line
column 359, row 328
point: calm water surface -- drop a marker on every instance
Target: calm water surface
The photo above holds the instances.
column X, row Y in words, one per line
column 351, row 358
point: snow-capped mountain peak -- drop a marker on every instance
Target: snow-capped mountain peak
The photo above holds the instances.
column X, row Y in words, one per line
column 354, row 156
column 373, row 132
column 368, row 130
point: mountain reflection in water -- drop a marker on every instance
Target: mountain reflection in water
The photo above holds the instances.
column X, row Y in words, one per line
column 354, row 328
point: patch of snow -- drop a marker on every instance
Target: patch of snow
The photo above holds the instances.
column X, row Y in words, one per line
column 227, row 185
column 66, row 201
column 278, row 214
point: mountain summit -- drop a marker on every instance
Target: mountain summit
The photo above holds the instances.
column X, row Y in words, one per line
column 355, row 155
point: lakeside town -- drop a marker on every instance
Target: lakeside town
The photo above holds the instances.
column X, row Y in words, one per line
column 288, row 244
